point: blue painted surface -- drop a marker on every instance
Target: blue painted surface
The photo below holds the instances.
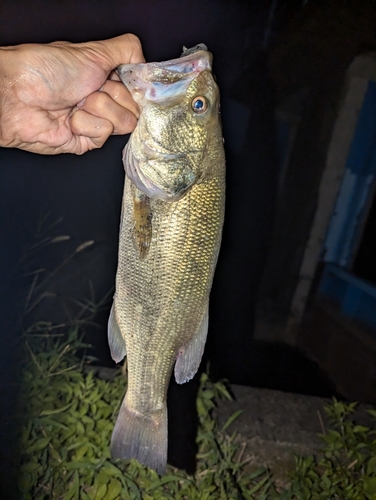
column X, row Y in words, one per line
column 354, row 297
column 357, row 184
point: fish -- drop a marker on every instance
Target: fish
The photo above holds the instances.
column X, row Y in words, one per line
column 169, row 240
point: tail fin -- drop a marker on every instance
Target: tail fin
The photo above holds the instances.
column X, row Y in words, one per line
column 143, row 437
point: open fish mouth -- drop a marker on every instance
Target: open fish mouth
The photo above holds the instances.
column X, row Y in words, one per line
column 156, row 171
column 160, row 81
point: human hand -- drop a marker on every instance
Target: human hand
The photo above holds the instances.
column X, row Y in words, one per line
column 64, row 97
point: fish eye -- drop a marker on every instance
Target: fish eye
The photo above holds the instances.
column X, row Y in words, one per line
column 199, row 105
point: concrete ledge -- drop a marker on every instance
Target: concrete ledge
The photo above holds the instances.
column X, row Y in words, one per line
column 343, row 348
column 275, row 426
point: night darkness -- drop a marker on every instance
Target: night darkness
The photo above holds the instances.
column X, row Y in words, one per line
column 86, row 191
column 82, row 194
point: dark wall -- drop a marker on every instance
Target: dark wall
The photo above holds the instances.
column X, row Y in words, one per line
column 310, row 56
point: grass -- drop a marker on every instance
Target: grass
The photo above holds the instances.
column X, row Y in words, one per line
column 68, row 420
column 66, row 435
column 346, row 469
column 68, row 416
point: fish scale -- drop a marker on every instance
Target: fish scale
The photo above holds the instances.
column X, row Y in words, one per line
column 171, row 224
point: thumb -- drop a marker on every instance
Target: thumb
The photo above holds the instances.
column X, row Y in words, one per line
column 123, row 49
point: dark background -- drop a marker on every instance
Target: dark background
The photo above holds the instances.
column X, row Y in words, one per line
column 85, row 192
column 81, row 197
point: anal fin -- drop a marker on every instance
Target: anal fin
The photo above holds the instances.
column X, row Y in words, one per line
column 115, row 338
column 189, row 358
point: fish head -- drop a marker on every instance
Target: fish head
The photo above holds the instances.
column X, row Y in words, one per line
column 179, row 113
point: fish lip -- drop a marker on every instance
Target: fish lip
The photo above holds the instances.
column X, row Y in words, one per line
column 192, row 50
column 199, row 61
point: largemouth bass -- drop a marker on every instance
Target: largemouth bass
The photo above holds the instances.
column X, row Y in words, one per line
column 170, row 233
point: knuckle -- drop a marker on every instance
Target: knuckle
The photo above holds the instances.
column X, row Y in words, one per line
column 100, row 97
column 107, row 128
column 98, row 100
column 134, row 40
column 131, row 120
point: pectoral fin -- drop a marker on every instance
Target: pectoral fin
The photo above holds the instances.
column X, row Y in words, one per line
column 115, row 338
column 142, row 228
column 189, row 357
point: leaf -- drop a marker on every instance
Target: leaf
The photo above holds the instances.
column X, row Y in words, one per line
column 111, row 469
column 133, row 485
column 208, row 394
column 233, row 417
column 54, row 423
column 26, row 483
column 164, row 480
column 258, row 473
column 221, row 387
column 40, row 444
column 29, row 467
column 79, row 465
column 369, row 486
column 80, row 452
column 360, row 428
column 55, row 454
column 260, row 484
column 74, row 489
column 80, row 427
column 101, row 492
column 55, row 411
column 371, row 467
column 113, row 489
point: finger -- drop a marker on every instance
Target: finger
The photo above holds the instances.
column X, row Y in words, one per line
column 95, row 128
column 101, row 105
column 121, row 95
column 114, row 76
column 119, row 50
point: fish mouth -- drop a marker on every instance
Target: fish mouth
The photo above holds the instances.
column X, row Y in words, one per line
column 159, row 173
column 156, row 82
